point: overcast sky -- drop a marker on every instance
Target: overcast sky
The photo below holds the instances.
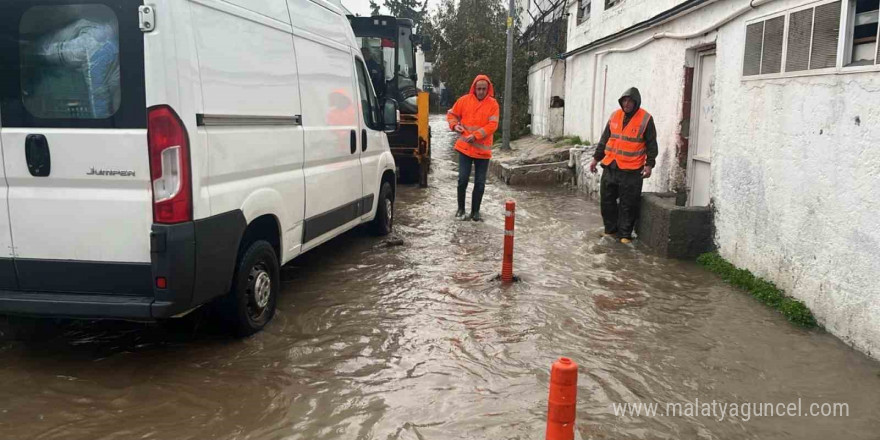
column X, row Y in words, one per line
column 362, row 7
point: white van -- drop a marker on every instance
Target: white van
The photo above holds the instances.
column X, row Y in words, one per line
column 158, row 156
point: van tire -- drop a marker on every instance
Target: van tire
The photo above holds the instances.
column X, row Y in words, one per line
column 251, row 303
column 384, row 220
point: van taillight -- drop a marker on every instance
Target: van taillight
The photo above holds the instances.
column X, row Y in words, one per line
column 169, row 166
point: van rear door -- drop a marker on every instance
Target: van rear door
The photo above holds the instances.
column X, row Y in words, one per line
column 8, row 279
column 73, row 135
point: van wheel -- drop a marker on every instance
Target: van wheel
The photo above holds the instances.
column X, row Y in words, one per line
column 384, row 220
column 251, row 303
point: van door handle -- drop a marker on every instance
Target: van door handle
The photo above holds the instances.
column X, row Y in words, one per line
column 354, row 141
column 364, row 139
column 36, row 151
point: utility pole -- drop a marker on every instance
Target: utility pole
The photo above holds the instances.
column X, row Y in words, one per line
column 508, row 78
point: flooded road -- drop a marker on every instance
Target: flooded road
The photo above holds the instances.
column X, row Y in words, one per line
column 417, row 342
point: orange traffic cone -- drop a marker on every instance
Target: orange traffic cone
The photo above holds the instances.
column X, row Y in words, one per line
column 562, row 400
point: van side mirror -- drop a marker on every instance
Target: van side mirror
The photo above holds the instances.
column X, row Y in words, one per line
column 390, row 115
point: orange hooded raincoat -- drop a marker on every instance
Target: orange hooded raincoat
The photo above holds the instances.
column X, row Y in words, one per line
column 479, row 118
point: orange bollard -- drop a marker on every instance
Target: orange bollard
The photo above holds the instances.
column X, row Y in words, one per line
column 507, row 262
column 562, row 400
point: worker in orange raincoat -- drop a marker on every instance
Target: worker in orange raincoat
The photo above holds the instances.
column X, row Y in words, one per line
column 475, row 117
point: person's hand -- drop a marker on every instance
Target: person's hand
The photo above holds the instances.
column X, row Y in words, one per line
column 593, row 166
column 458, row 128
column 469, row 138
column 646, row 173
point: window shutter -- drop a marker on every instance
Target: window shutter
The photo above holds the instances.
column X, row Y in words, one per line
column 826, row 32
column 799, row 27
column 774, row 32
column 754, row 41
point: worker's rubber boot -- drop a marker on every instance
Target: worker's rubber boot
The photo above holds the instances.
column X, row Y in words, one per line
column 476, row 202
column 460, row 215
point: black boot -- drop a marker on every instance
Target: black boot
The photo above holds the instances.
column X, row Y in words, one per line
column 475, row 203
column 459, row 214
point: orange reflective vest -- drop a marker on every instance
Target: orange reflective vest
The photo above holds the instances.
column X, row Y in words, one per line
column 479, row 118
column 627, row 144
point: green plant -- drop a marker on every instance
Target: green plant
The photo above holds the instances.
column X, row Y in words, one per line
column 762, row 290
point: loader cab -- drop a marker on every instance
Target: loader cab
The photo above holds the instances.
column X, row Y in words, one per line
column 388, row 46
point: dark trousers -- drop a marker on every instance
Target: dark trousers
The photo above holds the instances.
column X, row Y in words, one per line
column 620, row 218
column 465, row 163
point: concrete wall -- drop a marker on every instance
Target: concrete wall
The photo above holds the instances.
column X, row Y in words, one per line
column 795, row 163
column 546, row 80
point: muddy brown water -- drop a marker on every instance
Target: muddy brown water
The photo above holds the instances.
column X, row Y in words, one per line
column 418, row 342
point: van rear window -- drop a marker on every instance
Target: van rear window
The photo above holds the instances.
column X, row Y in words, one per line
column 68, row 64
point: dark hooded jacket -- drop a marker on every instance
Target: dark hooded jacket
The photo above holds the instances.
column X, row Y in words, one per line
column 650, row 132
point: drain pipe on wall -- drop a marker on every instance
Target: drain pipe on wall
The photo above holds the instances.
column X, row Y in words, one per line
column 752, row 4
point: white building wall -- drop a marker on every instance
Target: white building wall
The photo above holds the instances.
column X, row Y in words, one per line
column 795, row 162
column 796, row 183
column 538, row 102
column 546, row 80
column 616, row 19
column 657, row 70
column 556, row 117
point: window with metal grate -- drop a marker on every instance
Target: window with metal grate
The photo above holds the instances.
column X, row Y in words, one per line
column 800, row 29
column 754, row 43
column 763, row 54
column 771, row 54
column 826, row 34
column 795, row 41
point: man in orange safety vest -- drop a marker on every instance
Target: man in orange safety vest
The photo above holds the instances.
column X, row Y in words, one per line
column 627, row 151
